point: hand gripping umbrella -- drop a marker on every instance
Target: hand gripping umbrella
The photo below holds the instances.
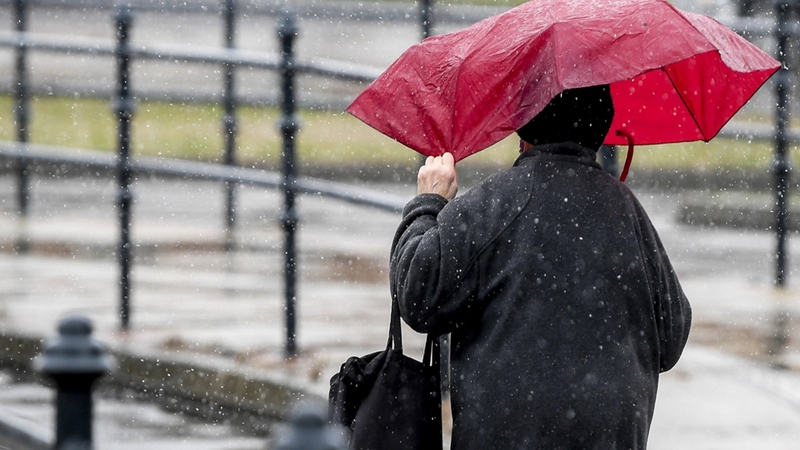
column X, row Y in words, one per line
column 675, row 76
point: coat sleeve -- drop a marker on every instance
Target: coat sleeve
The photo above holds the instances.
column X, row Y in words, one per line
column 427, row 271
column 673, row 314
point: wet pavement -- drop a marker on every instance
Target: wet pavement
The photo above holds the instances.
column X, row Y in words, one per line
column 191, row 299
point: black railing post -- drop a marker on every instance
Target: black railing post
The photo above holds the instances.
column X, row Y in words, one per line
column 781, row 168
column 426, row 28
column 74, row 360
column 21, row 108
column 124, row 107
column 229, row 123
column 289, row 125
column 426, row 17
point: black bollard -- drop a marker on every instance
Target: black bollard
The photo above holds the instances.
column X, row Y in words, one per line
column 74, row 360
column 309, row 430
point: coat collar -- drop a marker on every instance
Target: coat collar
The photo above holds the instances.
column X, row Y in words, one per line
column 570, row 150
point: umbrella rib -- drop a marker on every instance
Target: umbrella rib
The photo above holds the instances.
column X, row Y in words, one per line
column 686, row 105
column 468, row 55
column 557, row 61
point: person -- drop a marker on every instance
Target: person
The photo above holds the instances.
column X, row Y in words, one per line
column 561, row 302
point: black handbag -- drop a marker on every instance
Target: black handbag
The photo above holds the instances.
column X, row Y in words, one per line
column 387, row 400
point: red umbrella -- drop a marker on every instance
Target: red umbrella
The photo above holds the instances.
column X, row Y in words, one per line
column 675, row 76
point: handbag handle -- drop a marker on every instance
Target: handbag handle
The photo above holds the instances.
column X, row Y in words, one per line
column 432, row 352
column 395, row 331
column 432, row 355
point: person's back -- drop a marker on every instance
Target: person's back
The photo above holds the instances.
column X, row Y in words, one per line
column 562, row 304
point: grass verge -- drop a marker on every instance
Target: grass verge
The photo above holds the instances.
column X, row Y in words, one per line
column 326, row 139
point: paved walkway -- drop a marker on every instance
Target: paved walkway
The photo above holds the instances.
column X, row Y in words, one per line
column 122, row 422
column 190, row 299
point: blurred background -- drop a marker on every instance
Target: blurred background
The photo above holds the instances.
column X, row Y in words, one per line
column 160, row 212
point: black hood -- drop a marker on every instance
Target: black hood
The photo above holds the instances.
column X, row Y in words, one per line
column 581, row 115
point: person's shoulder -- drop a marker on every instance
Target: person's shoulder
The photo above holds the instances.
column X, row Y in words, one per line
column 501, row 195
column 628, row 201
column 484, row 191
column 506, row 182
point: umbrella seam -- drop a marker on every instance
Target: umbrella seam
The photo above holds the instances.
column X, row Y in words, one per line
column 457, row 82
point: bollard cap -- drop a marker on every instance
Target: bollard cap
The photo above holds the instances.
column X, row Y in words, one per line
column 308, row 430
column 74, row 350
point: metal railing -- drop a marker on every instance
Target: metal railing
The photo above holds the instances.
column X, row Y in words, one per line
column 383, row 11
column 285, row 63
column 289, row 66
column 780, row 165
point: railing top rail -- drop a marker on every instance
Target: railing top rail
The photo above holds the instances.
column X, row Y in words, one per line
column 203, row 171
column 198, row 54
column 756, row 132
column 390, row 11
column 753, row 27
column 56, row 43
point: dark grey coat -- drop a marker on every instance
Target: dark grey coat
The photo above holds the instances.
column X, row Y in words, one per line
column 562, row 304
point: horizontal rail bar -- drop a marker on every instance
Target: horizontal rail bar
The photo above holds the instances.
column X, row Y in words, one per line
column 203, row 171
column 355, row 11
column 207, row 55
column 360, row 11
column 756, row 132
column 55, row 43
column 310, row 100
column 337, row 69
column 196, row 54
column 753, row 27
column 351, row 194
column 273, row 180
column 384, row 11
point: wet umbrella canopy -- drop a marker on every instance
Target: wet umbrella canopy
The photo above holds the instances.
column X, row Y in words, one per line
column 675, row 76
